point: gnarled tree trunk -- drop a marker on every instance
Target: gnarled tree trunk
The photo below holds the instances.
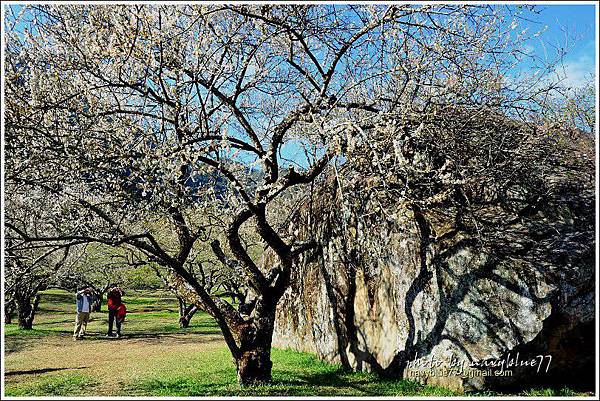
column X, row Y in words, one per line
column 9, row 308
column 186, row 312
column 254, row 360
column 97, row 301
column 27, row 311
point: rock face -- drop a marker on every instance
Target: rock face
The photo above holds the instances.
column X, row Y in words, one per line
column 468, row 294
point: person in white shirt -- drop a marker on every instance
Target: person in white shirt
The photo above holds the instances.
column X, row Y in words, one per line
column 84, row 307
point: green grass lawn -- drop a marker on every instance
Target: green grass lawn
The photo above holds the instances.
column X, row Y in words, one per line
column 157, row 358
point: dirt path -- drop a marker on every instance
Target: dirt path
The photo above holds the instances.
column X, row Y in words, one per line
column 111, row 362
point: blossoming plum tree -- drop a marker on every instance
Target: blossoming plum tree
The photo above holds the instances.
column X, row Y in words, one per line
column 159, row 128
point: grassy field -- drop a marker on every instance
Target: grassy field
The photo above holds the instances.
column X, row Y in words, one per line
column 157, row 358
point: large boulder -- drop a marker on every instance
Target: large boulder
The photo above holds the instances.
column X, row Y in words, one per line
column 476, row 276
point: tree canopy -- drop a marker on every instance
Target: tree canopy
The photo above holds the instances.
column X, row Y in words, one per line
column 164, row 129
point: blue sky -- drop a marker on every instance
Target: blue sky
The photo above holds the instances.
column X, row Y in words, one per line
column 572, row 27
column 569, row 26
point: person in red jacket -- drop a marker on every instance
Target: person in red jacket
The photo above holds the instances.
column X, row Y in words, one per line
column 114, row 304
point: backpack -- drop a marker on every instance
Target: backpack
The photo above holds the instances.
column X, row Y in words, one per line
column 121, row 312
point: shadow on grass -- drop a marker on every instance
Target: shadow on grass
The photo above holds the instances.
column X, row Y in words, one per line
column 55, row 321
column 26, row 335
column 158, row 338
column 154, row 309
column 337, row 379
column 67, row 384
column 16, row 340
column 332, row 383
column 170, row 334
column 38, row 371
